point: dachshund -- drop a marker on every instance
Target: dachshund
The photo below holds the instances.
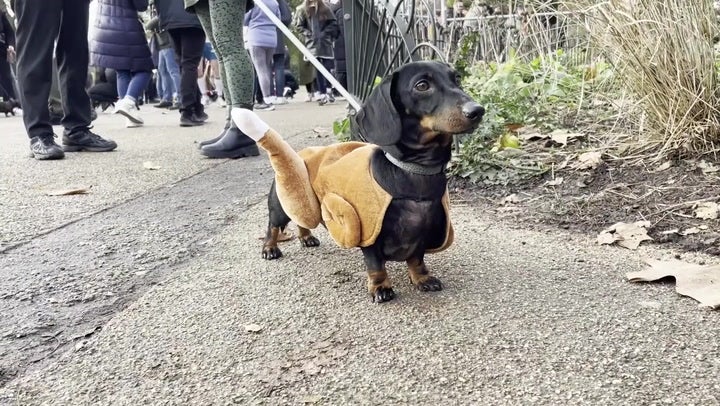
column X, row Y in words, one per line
column 411, row 116
column 8, row 107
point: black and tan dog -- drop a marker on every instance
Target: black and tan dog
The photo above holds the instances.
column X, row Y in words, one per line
column 388, row 196
column 9, row 106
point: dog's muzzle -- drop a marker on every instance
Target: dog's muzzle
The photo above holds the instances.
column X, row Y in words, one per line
column 473, row 111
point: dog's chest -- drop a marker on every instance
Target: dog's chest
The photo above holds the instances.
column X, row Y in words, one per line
column 411, row 227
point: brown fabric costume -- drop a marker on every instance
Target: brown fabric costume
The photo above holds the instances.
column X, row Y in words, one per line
column 338, row 177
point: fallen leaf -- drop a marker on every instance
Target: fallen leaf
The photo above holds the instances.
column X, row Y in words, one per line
column 253, row 328
column 589, row 160
column 69, row 192
column 700, row 282
column 562, row 137
column 628, row 235
column 673, row 231
column 311, row 399
column 706, row 210
column 151, row 166
column 555, row 182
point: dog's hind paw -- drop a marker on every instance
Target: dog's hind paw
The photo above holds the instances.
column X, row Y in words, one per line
column 430, row 284
column 271, row 253
column 309, row 241
column 383, row 294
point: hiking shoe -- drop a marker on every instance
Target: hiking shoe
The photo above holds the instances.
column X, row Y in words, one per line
column 163, row 104
column 86, row 140
column 127, row 108
column 233, row 144
column 189, row 119
column 44, row 148
column 264, row 107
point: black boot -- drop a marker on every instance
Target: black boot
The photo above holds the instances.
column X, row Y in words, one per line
column 216, row 139
column 189, row 119
column 234, row 144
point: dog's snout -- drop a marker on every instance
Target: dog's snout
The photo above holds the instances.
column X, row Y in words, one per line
column 473, row 111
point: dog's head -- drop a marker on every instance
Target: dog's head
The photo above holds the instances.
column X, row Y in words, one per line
column 414, row 112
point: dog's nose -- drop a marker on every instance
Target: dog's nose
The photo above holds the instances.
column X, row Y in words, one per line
column 473, row 111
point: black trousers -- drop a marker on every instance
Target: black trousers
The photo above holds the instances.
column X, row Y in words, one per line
column 7, row 89
column 40, row 24
column 188, row 44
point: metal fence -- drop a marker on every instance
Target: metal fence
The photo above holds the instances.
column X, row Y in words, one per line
column 381, row 35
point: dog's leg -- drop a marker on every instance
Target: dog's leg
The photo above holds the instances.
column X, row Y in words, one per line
column 379, row 285
column 306, row 238
column 277, row 222
column 420, row 276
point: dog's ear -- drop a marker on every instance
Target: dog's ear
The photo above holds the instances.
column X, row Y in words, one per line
column 378, row 120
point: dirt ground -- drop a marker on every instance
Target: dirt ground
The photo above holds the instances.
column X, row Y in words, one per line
column 589, row 200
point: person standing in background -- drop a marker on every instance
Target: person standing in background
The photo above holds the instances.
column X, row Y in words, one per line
column 188, row 40
column 262, row 38
column 318, row 26
column 7, row 57
column 40, row 24
column 119, row 43
column 280, row 52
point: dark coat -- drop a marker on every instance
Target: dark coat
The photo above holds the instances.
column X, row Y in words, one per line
column 339, row 48
column 7, row 34
column 319, row 31
column 118, row 40
column 173, row 15
column 286, row 18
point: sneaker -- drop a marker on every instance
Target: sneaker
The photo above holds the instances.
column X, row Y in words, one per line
column 323, row 100
column 127, row 108
column 202, row 116
column 130, row 124
column 264, row 107
column 309, row 97
column 175, row 106
column 330, row 98
column 86, row 140
column 189, row 119
column 17, row 111
column 280, row 100
column 163, row 104
column 287, row 92
column 44, row 148
column 205, row 100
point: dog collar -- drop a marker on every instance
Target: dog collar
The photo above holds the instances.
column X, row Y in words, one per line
column 417, row 169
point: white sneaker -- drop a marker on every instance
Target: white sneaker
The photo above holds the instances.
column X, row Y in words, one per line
column 130, row 124
column 263, row 107
column 270, row 100
column 280, row 100
column 18, row 111
column 205, row 100
column 127, row 108
column 309, row 97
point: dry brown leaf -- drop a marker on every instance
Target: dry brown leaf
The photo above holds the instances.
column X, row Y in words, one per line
column 69, row 192
column 628, row 235
column 253, row 328
column 562, row 137
column 700, row 282
column 151, row 166
column 311, row 399
column 589, row 160
column 706, row 210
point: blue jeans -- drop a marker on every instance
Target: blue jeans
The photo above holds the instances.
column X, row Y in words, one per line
column 279, row 71
column 132, row 84
column 168, row 74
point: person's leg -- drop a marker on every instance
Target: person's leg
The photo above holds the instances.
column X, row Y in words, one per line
column 35, row 65
column 227, row 26
column 173, row 70
column 73, row 59
column 7, row 90
column 123, row 81
column 202, row 10
column 263, row 67
column 279, row 72
column 137, row 85
column 55, row 100
column 159, row 88
column 189, row 44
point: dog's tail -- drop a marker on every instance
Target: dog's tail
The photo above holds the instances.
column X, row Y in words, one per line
column 292, row 182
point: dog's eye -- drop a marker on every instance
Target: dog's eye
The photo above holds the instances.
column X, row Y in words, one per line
column 422, row 86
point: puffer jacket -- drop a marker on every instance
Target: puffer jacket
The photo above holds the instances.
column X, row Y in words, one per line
column 318, row 31
column 118, row 38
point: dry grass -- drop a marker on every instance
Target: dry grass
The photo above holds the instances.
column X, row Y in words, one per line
column 664, row 54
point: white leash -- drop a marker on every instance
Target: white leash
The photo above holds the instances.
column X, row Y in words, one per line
column 306, row 52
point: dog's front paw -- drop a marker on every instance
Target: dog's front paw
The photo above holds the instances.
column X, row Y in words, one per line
column 271, row 252
column 383, row 294
column 429, row 284
column 309, row 241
